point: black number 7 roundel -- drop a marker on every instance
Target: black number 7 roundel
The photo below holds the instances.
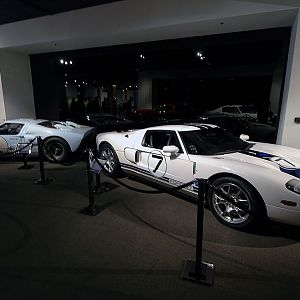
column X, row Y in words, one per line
column 157, row 163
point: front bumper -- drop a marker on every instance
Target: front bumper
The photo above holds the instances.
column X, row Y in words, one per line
column 283, row 215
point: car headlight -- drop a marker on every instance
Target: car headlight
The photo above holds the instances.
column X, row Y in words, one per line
column 293, row 185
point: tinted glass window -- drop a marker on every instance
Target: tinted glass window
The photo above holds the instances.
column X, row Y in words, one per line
column 248, row 109
column 10, row 128
column 158, row 139
column 208, row 141
column 231, row 110
column 49, row 124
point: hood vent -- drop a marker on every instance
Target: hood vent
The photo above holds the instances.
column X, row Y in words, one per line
column 291, row 171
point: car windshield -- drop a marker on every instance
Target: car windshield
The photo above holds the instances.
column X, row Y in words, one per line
column 248, row 109
column 50, row 124
column 107, row 119
column 210, row 141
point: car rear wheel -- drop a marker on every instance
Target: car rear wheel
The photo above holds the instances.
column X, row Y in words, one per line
column 110, row 159
column 56, row 150
column 242, row 193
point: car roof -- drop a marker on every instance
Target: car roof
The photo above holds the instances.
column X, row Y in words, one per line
column 101, row 115
column 25, row 121
column 181, row 127
column 233, row 105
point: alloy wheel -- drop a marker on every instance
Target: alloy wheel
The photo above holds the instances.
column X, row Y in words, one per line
column 227, row 211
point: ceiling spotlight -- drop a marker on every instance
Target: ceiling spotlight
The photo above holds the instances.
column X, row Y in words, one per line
column 61, row 61
column 200, row 55
column 74, row 80
column 142, row 56
column 66, row 85
column 71, row 62
column 66, row 63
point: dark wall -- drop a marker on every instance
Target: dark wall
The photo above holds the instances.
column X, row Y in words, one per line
column 250, row 57
column 48, row 89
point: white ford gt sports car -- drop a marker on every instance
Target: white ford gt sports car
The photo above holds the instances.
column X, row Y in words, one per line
column 263, row 178
column 60, row 138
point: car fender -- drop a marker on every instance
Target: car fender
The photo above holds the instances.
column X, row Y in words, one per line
column 268, row 182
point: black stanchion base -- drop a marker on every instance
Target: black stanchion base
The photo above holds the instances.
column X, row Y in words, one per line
column 102, row 188
column 43, row 182
column 207, row 272
column 26, row 167
column 91, row 210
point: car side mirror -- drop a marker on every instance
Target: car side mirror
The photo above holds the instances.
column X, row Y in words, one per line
column 244, row 137
column 171, row 150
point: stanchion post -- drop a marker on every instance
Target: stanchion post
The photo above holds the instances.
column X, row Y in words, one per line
column 197, row 270
column 43, row 180
column 100, row 187
column 25, row 152
column 25, row 165
column 92, row 209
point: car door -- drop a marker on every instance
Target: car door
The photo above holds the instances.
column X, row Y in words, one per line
column 160, row 165
column 12, row 134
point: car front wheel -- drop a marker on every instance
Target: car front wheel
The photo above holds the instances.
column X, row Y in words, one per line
column 110, row 159
column 242, row 193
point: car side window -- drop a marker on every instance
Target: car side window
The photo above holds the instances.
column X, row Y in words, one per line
column 231, row 110
column 160, row 138
column 10, row 128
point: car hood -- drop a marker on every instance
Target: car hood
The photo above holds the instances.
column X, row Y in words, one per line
column 276, row 157
column 284, row 156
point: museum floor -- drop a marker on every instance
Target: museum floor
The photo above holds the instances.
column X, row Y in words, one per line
column 133, row 249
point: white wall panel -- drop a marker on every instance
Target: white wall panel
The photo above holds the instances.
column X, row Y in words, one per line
column 2, row 106
column 289, row 131
column 16, row 85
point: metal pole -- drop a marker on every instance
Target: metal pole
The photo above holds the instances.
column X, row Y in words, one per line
column 200, row 216
column 42, row 169
column 100, row 187
column 43, row 180
column 91, row 209
column 197, row 270
column 90, row 183
column 25, row 165
column 25, row 161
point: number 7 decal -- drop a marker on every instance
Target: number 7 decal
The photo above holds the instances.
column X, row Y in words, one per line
column 160, row 159
column 157, row 165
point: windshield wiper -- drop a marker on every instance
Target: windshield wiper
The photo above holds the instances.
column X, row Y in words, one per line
column 226, row 152
column 248, row 147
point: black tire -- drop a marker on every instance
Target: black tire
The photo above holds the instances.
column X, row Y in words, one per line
column 108, row 154
column 59, row 149
column 229, row 214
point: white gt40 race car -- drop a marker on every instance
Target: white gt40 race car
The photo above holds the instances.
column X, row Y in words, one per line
column 263, row 178
column 60, row 138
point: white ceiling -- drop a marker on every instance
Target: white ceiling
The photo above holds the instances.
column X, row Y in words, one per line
column 133, row 21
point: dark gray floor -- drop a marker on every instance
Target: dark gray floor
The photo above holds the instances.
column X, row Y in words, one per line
column 133, row 249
